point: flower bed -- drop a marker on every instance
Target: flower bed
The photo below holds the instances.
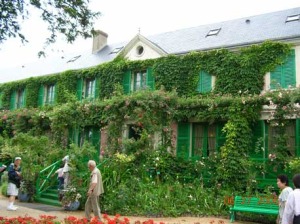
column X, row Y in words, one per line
column 48, row 219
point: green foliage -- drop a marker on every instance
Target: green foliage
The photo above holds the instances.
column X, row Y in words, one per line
column 237, row 73
column 294, row 166
column 36, row 153
column 3, row 188
column 70, row 18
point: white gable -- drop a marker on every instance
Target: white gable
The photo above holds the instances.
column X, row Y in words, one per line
column 141, row 51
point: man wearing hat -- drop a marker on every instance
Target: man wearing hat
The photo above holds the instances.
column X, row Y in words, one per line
column 14, row 181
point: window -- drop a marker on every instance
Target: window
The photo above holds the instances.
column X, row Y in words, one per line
column 90, row 86
column 266, row 138
column 139, row 50
column 274, row 136
column 116, row 50
column 214, row 32
column 20, row 99
column 284, row 76
column 198, row 140
column 46, row 95
column 204, row 140
column 49, row 96
column 74, row 59
column 133, row 81
column 87, row 89
column 292, row 18
column 134, row 132
column 140, row 80
column 204, row 83
column 88, row 134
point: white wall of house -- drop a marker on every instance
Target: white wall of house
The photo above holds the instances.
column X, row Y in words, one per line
column 148, row 52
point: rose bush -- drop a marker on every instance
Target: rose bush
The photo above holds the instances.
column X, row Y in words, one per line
column 48, row 219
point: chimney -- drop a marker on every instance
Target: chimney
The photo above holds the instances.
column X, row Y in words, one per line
column 99, row 41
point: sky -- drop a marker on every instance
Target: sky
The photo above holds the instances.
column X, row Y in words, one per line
column 123, row 19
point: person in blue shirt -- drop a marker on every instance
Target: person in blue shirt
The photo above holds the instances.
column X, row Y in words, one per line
column 14, row 181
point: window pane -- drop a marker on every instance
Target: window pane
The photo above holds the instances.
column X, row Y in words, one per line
column 20, row 99
column 198, row 139
column 90, row 85
column 274, row 137
column 140, row 80
column 50, row 94
column 211, row 140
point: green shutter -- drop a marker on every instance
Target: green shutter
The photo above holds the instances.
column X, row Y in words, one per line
column 41, row 96
column 298, row 137
column 284, row 75
column 289, row 71
column 150, row 79
column 221, row 137
column 183, row 140
column 257, row 140
column 127, row 82
column 275, row 78
column 204, row 83
column 97, row 88
column 96, row 139
column 74, row 136
column 24, row 99
column 55, row 95
column 79, row 89
column 13, row 96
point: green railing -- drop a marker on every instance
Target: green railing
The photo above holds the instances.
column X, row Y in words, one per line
column 45, row 180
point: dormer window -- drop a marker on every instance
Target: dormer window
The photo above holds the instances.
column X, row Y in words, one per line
column 74, row 58
column 213, row 32
column 116, row 50
column 293, row 18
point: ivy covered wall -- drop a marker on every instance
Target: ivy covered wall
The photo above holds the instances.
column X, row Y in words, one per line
column 235, row 100
column 236, row 72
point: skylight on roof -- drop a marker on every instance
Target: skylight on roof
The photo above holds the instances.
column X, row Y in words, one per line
column 293, row 18
column 213, row 32
column 116, row 50
column 74, row 58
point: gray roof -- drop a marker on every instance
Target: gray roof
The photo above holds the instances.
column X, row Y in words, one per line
column 238, row 32
column 233, row 33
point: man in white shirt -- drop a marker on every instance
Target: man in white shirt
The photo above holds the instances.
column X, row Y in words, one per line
column 291, row 214
column 94, row 191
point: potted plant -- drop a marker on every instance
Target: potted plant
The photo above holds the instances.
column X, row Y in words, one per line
column 26, row 190
column 70, row 198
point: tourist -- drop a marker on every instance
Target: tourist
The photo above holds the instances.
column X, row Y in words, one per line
column 283, row 184
column 94, row 191
column 14, row 182
column 291, row 214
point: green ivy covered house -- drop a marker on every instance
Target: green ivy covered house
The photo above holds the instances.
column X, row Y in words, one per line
column 219, row 92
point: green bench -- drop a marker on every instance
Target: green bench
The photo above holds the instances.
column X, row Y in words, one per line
column 261, row 205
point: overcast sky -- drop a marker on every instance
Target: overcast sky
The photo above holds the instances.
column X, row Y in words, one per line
column 121, row 20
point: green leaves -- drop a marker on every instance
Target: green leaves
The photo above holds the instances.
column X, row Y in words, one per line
column 68, row 17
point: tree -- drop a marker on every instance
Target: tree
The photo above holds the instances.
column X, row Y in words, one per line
column 72, row 18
